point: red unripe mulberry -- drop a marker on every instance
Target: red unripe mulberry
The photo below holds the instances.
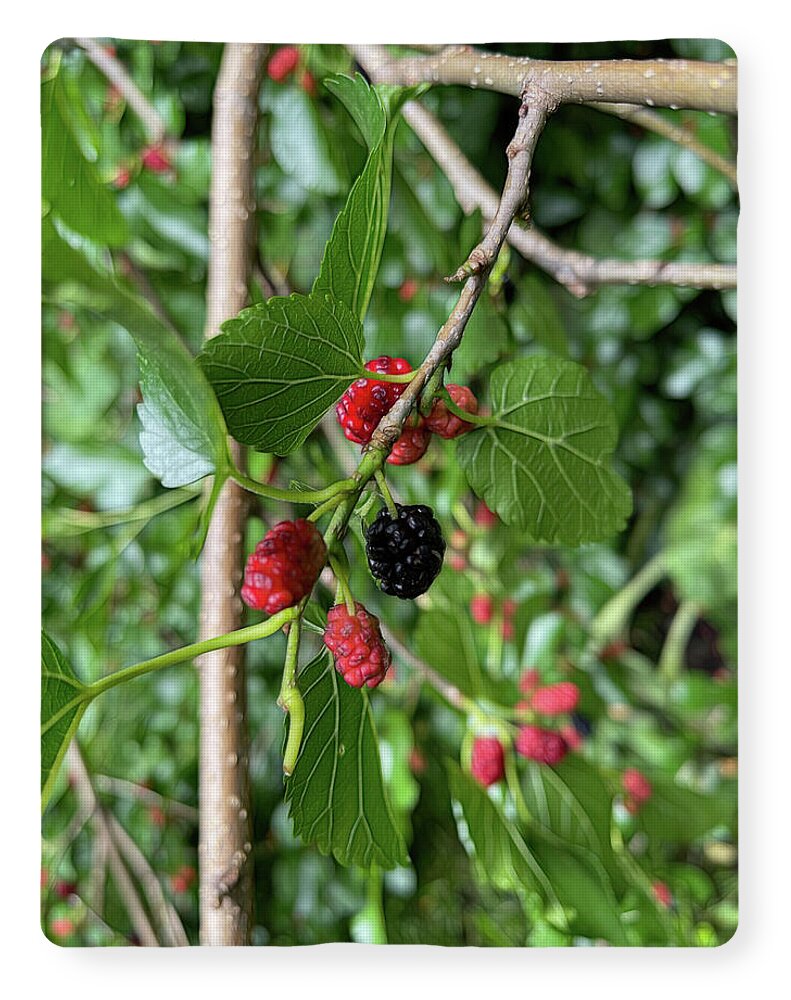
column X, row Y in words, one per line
column 411, row 446
column 487, row 764
column 283, row 62
column 284, row 567
column 541, row 745
column 356, row 642
column 156, row 160
column 367, row 400
column 636, row 785
column 481, row 609
column 556, row 699
column 441, row 421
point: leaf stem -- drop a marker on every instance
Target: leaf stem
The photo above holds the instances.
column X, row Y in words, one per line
column 292, row 496
column 385, row 377
column 470, row 418
column 236, row 638
column 342, row 576
column 290, row 698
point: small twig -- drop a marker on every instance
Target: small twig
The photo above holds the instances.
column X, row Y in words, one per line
column 171, row 925
column 86, row 797
column 654, row 122
column 449, row 692
column 121, row 787
column 153, row 123
column 534, row 110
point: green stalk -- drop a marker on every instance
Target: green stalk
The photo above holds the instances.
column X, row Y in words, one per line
column 611, row 620
column 195, row 649
column 671, row 660
column 292, row 496
column 290, row 699
column 381, row 482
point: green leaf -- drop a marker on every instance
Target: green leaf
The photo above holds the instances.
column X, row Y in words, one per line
column 68, row 181
column 336, row 794
column 543, row 462
column 352, row 255
column 577, row 894
column 63, row 702
column 278, row 367
column 299, row 142
column 676, row 815
column 449, row 642
column 183, row 436
column 572, row 803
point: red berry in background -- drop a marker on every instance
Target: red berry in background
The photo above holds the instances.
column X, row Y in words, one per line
column 411, row 446
column 556, row 699
column 122, row 179
column 662, row 894
column 481, row 609
column 522, row 706
column 156, row 160
column 284, row 567
column 484, row 517
column 308, row 83
column 441, row 421
column 541, row 745
column 507, row 630
column 408, row 290
column 183, row 879
column 62, row 927
column 44, row 877
column 417, row 761
column 636, row 785
column 457, row 562
column 529, row 680
column 282, row 62
column 356, row 642
column 510, row 607
column 487, row 765
column 367, row 400
column 65, row 889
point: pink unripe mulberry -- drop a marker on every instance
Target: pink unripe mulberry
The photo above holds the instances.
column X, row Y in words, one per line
column 556, row 699
column 487, row 765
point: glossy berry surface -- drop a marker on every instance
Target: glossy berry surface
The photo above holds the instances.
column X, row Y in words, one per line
column 487, row 764
column 356, row 642
column 367, row 400
column 284, row 567
column 541, row 745
column 411, row 445
column 283, row 62
column 556, row 699
column 405, row 553
column 441, row 421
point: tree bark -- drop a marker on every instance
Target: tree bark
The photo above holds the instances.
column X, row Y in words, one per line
column 225, row 829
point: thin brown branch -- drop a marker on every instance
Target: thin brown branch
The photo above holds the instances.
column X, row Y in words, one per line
column 130, row 789
column 449, row 692
column 579, row 272
column 171, row 926
column 668, row 83
column 225, row 826
column 652, row 121
column 153, row 123
column 90, row 805
column 534, row 110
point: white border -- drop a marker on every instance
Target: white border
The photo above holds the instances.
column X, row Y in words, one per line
column 758, row 954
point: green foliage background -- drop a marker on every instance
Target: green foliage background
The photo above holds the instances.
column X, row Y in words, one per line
column 117, row 589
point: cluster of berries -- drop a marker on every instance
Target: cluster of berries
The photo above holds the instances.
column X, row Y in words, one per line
column 367, row 400
column 543, row 745
column 482, row 611
column 404, row 554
